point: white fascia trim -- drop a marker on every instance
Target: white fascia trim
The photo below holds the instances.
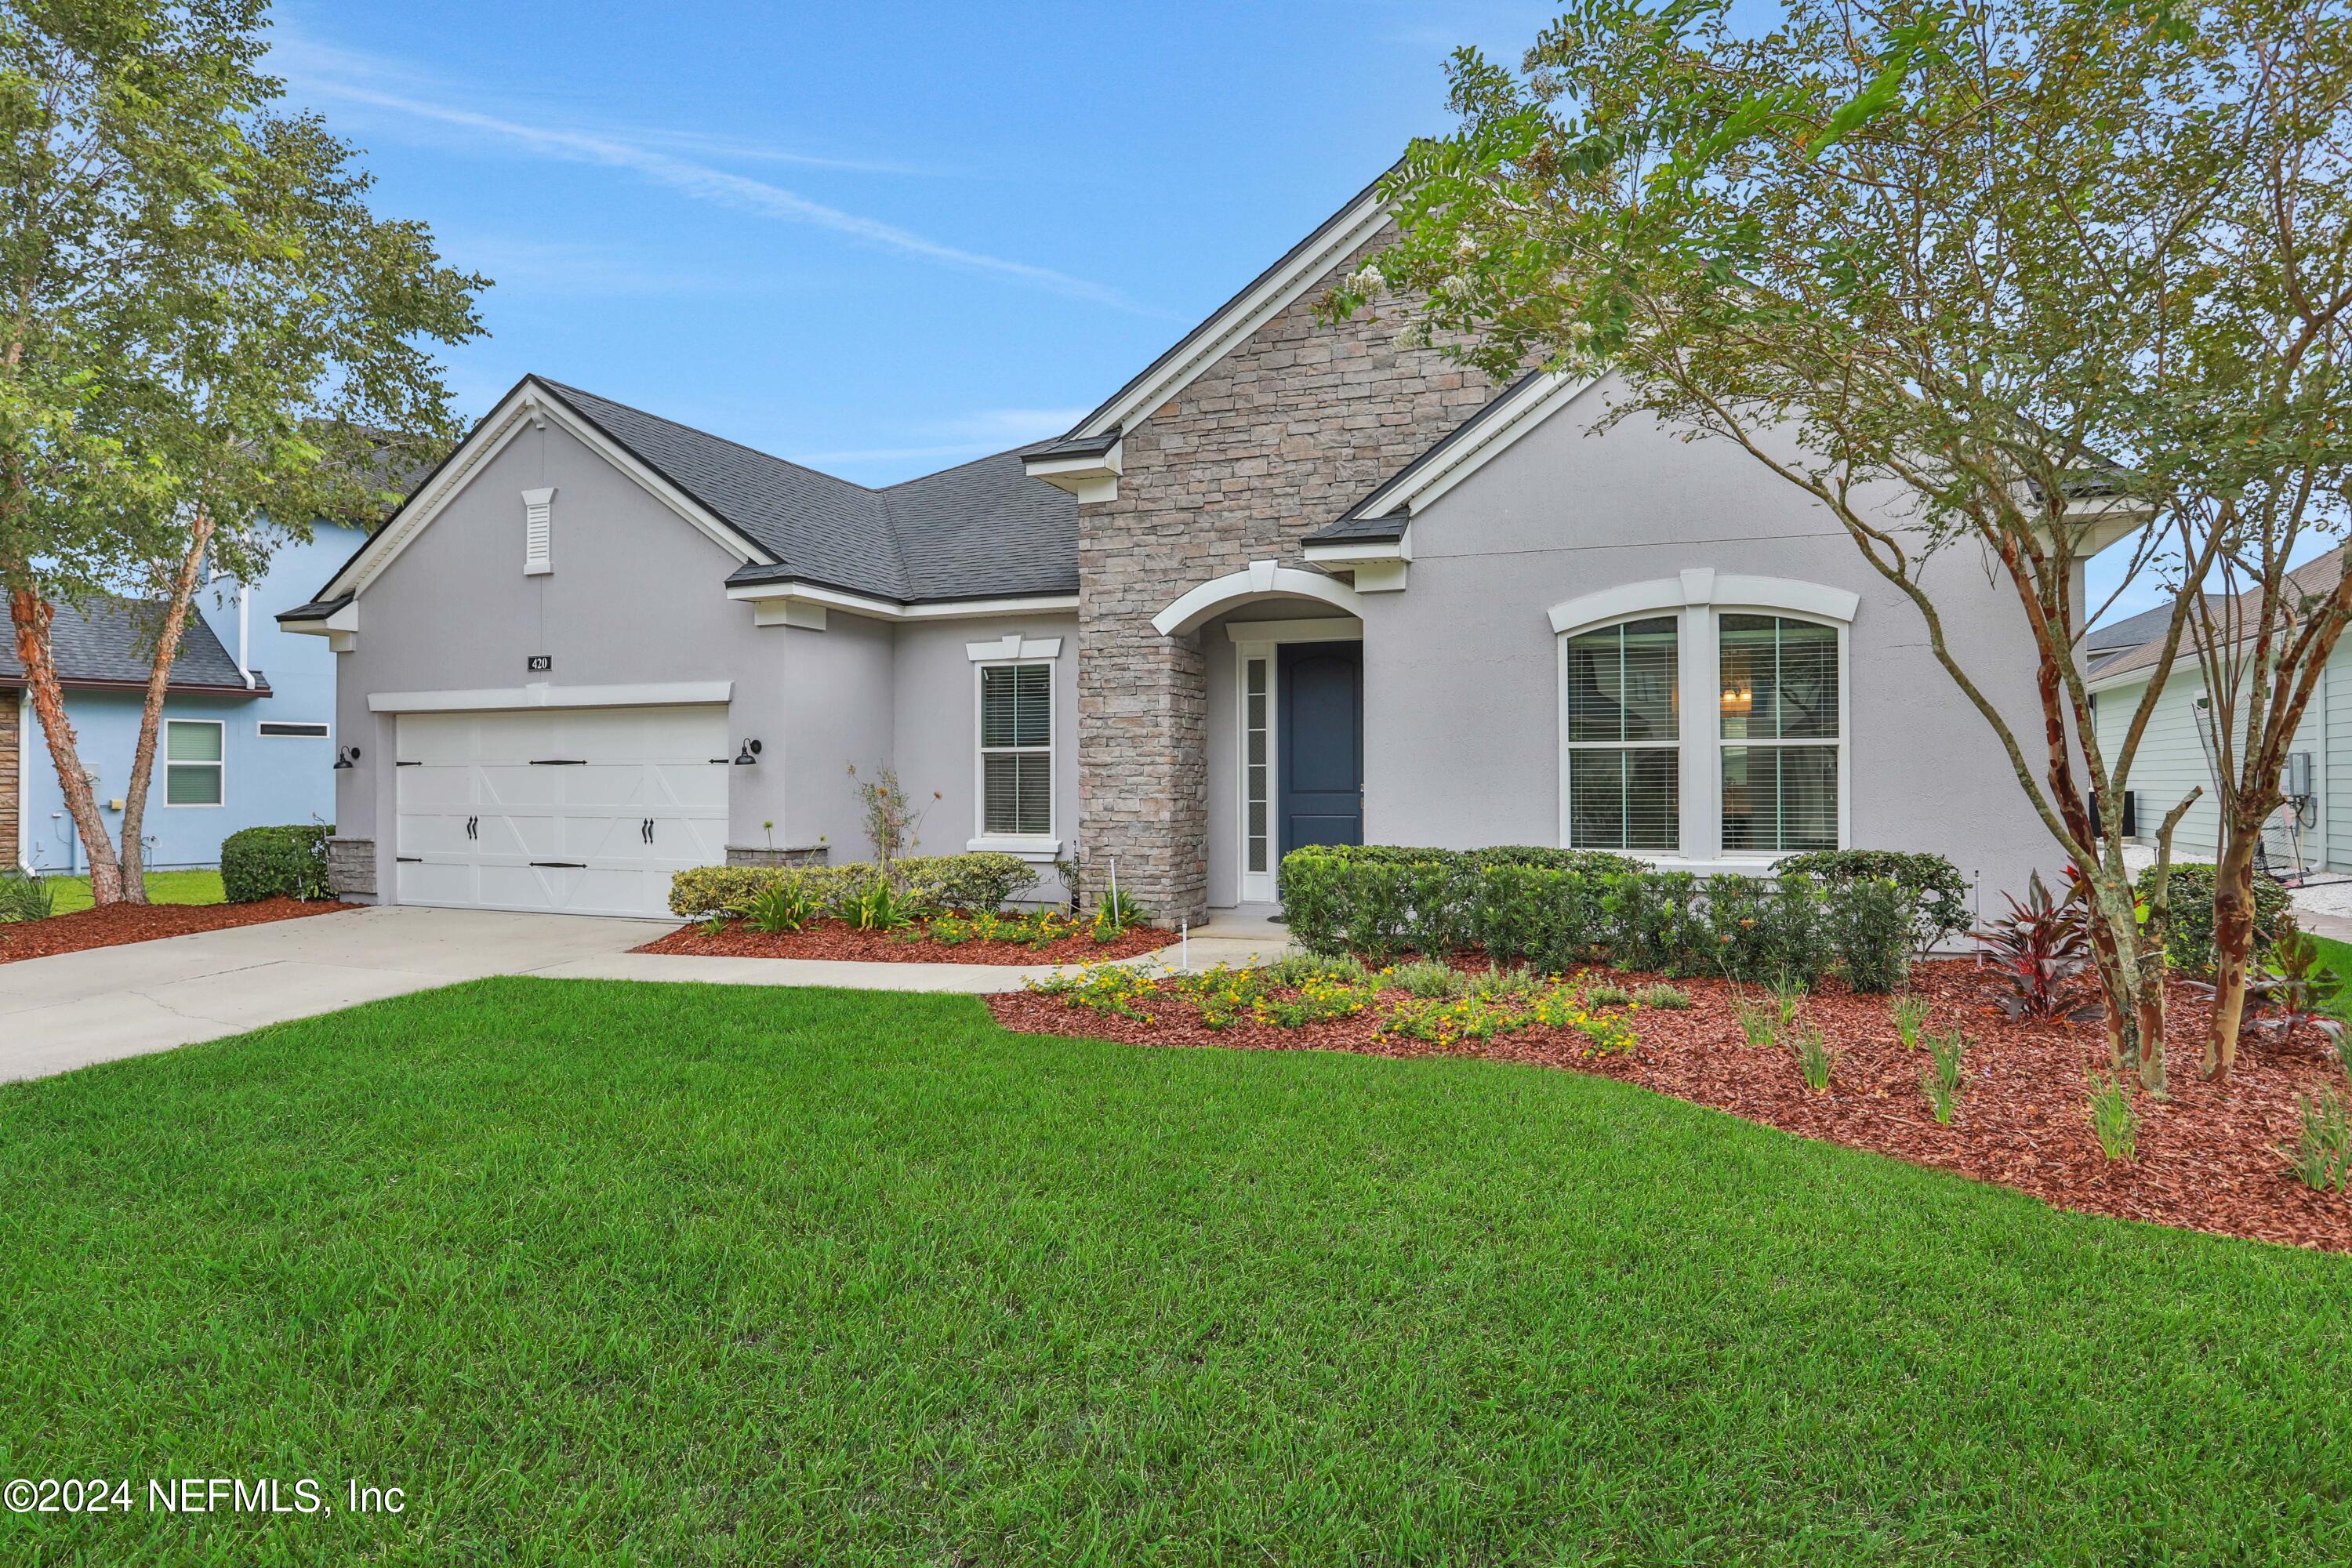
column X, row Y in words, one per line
column 885, row 610
column 2105, row 520
column 1088, row 478
column 1244, row 316
column 1346, row 551
column 648, row 694
column 1327, row 629
column 1536, row 402
column 1258, row 581
column 1011, row 647
column 1036, row 851
column 2137, row 676
column 522, row 406
column 1705, row 585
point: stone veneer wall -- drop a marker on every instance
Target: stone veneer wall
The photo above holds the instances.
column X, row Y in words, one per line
column 350, row 867
column 11, row 808
column 1275, row 440
column 813, row 855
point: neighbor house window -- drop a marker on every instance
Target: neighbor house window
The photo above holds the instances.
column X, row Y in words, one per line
column 290, row 728
column 1016, row 750
column 1624, row 737
column 192, row 762
column 1778, row 734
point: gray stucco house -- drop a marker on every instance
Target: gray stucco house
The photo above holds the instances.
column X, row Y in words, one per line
column 1291, row 583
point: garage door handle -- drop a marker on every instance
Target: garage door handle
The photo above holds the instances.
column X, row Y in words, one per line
column 564, row 865
column 473, row 826
column 559, row 762
column 410, row 859
column 647, row 832
column 408, row 764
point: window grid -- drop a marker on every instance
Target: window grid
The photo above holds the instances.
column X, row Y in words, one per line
column 193, row 764
column 1780, row 734
column 1016, row 750
column 1623, row 686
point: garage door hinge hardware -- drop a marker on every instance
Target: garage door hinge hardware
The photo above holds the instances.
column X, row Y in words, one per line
column 564, row 865
column 559, row 762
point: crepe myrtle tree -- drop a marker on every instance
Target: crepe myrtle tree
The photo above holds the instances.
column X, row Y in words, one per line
column 196, row 310
column 1953, row 273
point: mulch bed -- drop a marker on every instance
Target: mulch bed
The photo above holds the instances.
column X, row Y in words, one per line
column 837, row 938
column 115, row 924
column 2207, row 1161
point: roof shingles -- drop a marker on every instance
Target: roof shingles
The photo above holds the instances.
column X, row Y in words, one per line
column 109, row 641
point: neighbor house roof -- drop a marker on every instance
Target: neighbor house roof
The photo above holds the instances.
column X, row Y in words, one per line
column 106, row 644
column 2313, row 579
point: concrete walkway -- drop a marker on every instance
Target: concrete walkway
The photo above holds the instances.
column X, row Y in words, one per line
column 75, row 1008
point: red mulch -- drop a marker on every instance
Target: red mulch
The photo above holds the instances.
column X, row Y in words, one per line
column 115, row 924
column 2207, row 1161
column 837, row 938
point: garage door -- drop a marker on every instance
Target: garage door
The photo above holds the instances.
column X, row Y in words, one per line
column 581, row 811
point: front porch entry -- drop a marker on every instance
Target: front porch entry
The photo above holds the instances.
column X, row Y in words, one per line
column 1300, row 714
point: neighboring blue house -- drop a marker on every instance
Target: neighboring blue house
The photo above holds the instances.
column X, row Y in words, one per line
column 248, row 735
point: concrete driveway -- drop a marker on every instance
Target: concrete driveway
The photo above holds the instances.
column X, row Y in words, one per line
column 65, row 1011
column 76, row 1008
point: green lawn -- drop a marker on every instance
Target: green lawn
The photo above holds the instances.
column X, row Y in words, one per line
column 615, row 1273
column 72, row 893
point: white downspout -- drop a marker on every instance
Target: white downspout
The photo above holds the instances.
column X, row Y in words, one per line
column 243, row 632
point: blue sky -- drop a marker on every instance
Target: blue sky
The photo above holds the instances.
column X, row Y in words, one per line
column 877, row 239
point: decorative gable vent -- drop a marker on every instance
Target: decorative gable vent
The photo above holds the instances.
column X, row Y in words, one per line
column 537, row 531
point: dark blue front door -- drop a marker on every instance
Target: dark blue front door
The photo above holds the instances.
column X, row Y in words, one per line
column 1321, row 730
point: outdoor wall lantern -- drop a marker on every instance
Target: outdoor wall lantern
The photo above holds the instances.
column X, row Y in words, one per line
column 346, row 755
column 749, row 756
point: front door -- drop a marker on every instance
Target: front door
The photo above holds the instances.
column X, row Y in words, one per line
column 1321, row 736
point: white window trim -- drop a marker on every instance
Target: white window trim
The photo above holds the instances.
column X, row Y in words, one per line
column 1257, row 887
column 1028, row 846
column 1698, row 598
column 220, row 768
column 261, row 732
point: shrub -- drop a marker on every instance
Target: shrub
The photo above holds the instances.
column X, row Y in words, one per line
column 980, row 883
column 2189, row 916
column 2115, row 1121
column 2322, row 1152
column 1943, row 1080
column 1870, row 928
column 877, row 906
column 1664, row 998
column 1556, row 909
column 23, row 898
column 270, row 862
column 1303, row 968
column 1814, row 1058
column 2039, row 952
column 1427, row 978
column 1759, row 1021
column 1911, row 1011
column 1101, row 987
column 1608, row 994
column 1933, row 887
column 784, row 907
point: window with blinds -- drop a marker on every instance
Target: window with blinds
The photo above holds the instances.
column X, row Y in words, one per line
column 1624, row 758
column 1016, row 750
column 1779, row 735
column 192, row 762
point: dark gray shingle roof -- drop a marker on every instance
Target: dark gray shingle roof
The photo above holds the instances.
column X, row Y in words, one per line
column 106, row 643
column 980, row 530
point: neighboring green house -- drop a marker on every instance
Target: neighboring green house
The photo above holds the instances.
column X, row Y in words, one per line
column 2172, row 758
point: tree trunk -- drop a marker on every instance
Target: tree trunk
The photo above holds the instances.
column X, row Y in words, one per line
column 2108, row 918
column 31, row 615
column 151, row 712
column 2233, row 944
column 2154, row 965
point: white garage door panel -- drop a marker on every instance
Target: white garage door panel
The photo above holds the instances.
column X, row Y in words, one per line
column 586, row 811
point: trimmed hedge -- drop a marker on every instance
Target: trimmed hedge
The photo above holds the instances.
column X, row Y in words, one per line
column 1938, row 893
column 930, row 883
column 270, row 862
column 2189, row 941
column 1555, row 909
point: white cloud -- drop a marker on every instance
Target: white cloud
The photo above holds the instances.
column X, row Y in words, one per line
column 328, row 71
